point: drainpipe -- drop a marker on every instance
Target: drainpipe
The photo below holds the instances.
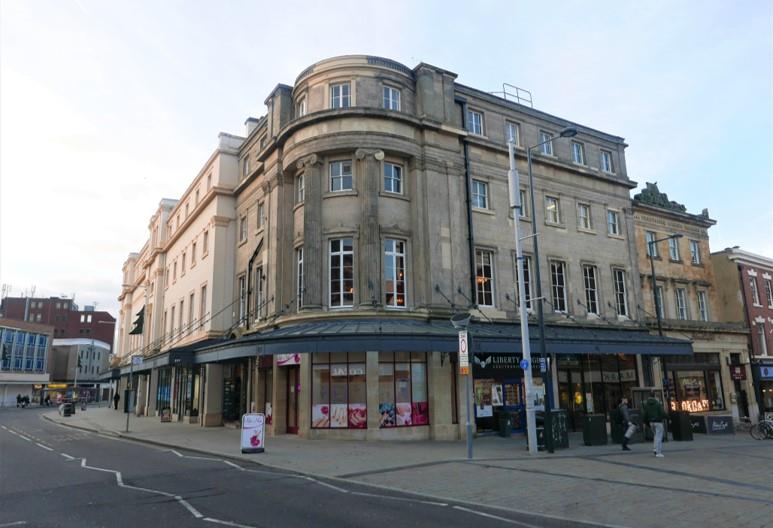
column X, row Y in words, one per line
column 248, row 278
column 468, row 195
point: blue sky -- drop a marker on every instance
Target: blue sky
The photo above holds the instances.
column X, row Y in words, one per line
column 105, row 107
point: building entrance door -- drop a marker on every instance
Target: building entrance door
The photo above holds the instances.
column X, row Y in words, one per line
column 571, row 396
column 293, row 388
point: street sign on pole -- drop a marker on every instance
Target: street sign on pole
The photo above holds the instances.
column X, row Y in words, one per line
column 137, row 360
column 524, row 364
column 464, row 356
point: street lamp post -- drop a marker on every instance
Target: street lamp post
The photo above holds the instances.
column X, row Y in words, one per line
column 565, row 133
column 651, row 253
column 513, row 180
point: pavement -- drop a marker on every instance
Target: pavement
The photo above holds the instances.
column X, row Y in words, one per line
column 715, row 480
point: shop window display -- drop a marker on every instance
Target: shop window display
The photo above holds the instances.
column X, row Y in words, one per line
column 339, row 391
column 403, row 389
column 697, row 383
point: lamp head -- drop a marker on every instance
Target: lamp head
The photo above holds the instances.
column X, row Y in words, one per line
column 676, row 235
column 460, row 320
column 568, row 132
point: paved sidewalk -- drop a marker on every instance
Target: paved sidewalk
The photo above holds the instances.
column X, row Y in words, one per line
column 712, row 481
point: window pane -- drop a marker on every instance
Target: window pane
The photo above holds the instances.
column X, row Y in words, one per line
column 420, row 406
column 338, row 395
column 386, row 395
column 358, row 416
column 320, row 398
column 403, row 393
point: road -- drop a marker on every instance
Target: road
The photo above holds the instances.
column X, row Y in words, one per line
column 55, row 476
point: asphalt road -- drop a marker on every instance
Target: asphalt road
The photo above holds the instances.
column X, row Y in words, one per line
column 54, row 476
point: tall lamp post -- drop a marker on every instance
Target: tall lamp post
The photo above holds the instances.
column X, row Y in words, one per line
column 514, row 184
column 651, row 248
column 565, row 133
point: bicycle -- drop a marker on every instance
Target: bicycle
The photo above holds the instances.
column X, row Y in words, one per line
column 744, row 425
column 763, row 429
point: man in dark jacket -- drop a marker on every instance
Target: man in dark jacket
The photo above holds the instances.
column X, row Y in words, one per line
column 654, row 415
column 625, row 420
column 116, row 399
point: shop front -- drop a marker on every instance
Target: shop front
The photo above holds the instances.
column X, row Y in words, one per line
column 694, row 383
column 186, row 394
column 498, row 388
column 765, row 377
column 594, row 384
column 235, row 382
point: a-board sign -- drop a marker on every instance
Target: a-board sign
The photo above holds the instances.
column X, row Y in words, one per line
column 252, row 432
column 166, row 414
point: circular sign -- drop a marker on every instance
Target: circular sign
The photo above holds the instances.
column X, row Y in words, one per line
column 524, row 364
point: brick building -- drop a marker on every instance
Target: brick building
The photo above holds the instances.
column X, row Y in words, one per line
column 68, row 320
column 745, row 285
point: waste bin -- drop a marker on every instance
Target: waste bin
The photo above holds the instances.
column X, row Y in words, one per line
column 681, row 426
column 594, row 429
column 65, row 409
column 505, row 422
column 559, row 423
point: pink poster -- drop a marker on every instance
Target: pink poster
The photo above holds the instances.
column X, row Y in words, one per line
column 338, row 415
column 358, row 416
column 404, row 414
column 320, row 416
column 283, row 360
column 420, row 413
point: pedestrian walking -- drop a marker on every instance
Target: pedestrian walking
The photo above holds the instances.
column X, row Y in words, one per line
column 18, row 400
column 116, row 398
column 625, row 420
column 654, row 416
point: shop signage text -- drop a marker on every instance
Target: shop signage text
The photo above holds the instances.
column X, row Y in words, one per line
column 690, row 405
column 737, row 373
column 720, row 424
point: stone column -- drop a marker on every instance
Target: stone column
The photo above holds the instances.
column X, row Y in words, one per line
column 212, row 414
column 439, row 392
column 313, row 247
column 369, row 246
column 371, row 377
column 150, row 410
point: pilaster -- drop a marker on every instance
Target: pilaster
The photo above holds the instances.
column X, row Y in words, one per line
column 313, row 250
column 369, row 247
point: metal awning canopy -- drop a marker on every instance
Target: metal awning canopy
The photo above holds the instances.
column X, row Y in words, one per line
column 355, row 335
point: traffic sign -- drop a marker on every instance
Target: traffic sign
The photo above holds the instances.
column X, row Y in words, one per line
column 543, row 364
column 137, row 360
column 464, row 356
column 524, row 364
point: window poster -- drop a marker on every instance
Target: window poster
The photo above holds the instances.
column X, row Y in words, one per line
column 387, row 412
column 496, row 395
column 358, row 416
column 404, row 414
column 320, row 415
column 483, row 407
column 338, row 415
column 420, row 412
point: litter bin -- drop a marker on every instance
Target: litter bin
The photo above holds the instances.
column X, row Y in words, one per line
column 594, row 429
column 65, row 409
column 681, row 426
column 505, row 420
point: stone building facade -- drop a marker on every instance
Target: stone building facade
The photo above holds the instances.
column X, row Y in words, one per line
column 745, row 286
column 716, row 379
column 370, row 205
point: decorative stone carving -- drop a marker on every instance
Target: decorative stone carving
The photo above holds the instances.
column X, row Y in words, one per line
column 651, row 195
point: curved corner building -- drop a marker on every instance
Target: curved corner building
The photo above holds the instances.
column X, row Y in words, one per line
column 310, row 269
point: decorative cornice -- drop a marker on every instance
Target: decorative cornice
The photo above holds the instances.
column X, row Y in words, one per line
column 362, row 153
column 309, row 161
column 220, row 221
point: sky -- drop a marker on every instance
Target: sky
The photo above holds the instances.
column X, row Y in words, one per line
column 107, row 106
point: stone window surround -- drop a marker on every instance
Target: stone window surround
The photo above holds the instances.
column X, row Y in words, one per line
column 619, row 215
column 337, row 234
column 470, row 112
column 385, row 85
column 406, row 269
column 560, row 215
column 590, row 229
column 583, row 162
column 601, row 164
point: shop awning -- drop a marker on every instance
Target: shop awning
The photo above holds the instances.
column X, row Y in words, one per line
column 352, row 335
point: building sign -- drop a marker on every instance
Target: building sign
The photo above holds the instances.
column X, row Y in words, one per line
column 282, row 360
column 720, row 425
column 698, row 424
column 252, row 433
column 490, row 364
column 737, row 373
column 690, row 405
column 766, row 372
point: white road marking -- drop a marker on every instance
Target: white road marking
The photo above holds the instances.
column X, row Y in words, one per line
column 15, row 523
column 68, row 457
column 4, row 427
column 490, row 516
column 188, row 506
column 237, row 466
column 227, row 523
column 341, row 490
column 44, row 447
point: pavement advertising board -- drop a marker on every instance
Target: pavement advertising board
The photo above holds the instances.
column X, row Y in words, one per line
column 252, row 433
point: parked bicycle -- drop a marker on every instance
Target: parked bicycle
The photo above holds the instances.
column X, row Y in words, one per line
column 744, row 425
column 763, row 429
